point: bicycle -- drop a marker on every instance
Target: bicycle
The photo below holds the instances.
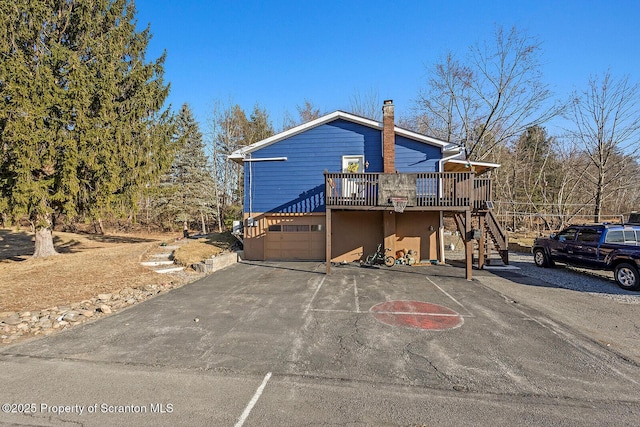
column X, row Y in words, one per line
column 379, row 257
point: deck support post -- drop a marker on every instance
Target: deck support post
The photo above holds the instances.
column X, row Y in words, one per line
column 468, row 245
column 482, row 243
column 328, row 240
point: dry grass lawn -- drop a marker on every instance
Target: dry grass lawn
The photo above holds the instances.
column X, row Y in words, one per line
column 87, row 266
column 203, row 248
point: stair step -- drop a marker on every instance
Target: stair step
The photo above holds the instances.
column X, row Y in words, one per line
column 169, row 270
column 162, row 255
column 156, row 263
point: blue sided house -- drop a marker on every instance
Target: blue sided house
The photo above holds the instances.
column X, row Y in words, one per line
column 334, row 188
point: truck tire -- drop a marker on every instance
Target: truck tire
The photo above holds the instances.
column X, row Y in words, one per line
column 627, row 276
column 540, row 258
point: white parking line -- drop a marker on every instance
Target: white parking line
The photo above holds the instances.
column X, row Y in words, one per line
column 355, row 292
column 337, row 310
column 450, row 297
column 413, row 313
column 306, row 310
column 253, row 401
column 329, row 310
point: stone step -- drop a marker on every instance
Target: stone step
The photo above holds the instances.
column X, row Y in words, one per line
column 169, row 270
column 162, row 255
column 156, row 263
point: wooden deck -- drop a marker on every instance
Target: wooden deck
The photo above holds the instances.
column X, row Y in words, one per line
column 433, row 191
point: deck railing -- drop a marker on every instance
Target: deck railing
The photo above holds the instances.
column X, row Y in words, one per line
column 482, row 193
column 429, row 190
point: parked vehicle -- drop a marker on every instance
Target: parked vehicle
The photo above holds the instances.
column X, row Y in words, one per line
column 379, row 257
column 614, row 247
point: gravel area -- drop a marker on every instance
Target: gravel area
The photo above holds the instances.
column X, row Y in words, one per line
column 594, row 282
column 598, row 283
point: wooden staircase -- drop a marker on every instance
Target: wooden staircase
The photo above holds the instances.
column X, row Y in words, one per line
column 492, row 235
column 495, row 234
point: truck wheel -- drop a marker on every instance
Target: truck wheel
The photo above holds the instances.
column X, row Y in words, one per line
column 627, row 276
column 540, row 258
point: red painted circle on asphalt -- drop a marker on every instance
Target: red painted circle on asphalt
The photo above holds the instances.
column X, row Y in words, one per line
column 416, row 314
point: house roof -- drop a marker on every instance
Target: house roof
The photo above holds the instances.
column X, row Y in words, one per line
column 459, row 165
column 240, row 154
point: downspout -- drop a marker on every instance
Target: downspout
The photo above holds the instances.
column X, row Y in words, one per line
column 250, row 222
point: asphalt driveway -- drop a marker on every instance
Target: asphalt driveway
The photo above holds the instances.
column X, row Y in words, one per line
column 284, row 344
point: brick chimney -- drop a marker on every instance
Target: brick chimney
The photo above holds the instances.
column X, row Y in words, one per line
column 388, row 137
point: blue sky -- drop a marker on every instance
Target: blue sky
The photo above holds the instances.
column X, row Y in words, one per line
column 279, row 53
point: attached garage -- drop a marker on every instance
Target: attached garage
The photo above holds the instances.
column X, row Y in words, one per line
column 295, row 238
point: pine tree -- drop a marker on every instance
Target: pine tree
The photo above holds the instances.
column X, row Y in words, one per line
column 188, row 191
column 82, row 131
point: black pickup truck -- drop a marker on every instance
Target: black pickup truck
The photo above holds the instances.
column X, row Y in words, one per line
column 614, row 247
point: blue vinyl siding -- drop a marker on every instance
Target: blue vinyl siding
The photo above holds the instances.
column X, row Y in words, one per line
column 413, row 156
column 297, row 184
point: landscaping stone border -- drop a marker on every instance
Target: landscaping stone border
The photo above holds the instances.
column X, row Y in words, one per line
column 23, row 324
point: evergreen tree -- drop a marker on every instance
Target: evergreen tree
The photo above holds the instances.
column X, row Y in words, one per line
column 259, row 126
column 188, row 190
column 81, row 126
column 536, row 168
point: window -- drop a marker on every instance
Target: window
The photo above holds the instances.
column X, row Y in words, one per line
column 295, row 228
column 589, row 235
column 568, row 234
column 353, row 164
column 629, row 236
column 615, row 236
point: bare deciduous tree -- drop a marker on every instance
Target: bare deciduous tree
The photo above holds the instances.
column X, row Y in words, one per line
column 606, row 123
column 366, row 105
column 230, row 130
column 226, row 134
column 491, row 98
column 306, row 113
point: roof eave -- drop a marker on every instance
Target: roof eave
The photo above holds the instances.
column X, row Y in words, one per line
column 240, row 154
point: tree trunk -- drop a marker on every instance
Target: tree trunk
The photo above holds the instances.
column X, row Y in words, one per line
column 44, row 243
column 204, row 227
column 599, row 194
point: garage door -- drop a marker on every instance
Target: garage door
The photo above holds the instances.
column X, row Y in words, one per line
column 295, row 238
